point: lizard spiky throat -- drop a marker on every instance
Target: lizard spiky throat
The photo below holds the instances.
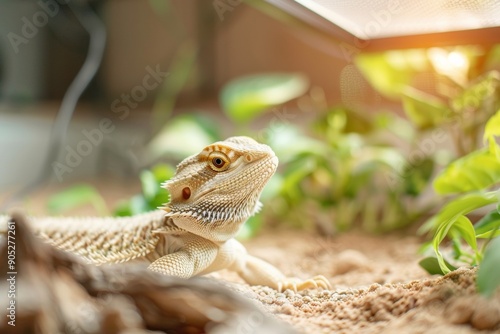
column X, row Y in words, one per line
column 222, row 183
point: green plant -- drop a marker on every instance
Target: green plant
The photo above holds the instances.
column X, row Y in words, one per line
column 74, row 197
column 152, row 196
column 245, row 98
column 338, row 171
column 488, row 277
column 331, row 176
column 340, row 179
column 464, row 92
column 471, row 177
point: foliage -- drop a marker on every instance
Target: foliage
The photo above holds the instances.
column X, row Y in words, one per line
column 74, row 197
column 245, row 98
column 338, row 170
column 193, row 131
column 342, row 170
column 423, row 109
column 466, row 177
column 449, row 106
column 389, row 73
column 452, row 221
column 345, row 178
column 475, row 171
column 488, row 277
column 463, row 95
column 450, row 101
column 152, row 196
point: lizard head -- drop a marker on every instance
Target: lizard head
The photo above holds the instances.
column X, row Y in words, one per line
column 219, row 188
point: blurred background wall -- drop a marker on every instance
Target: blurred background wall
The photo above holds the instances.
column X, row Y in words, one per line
column 43, row 48
column 189, row 50
column 239, row 41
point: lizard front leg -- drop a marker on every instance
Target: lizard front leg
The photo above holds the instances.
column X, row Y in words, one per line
column 192, row 258
column 259, row 272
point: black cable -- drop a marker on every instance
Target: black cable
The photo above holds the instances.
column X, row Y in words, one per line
column 97, row 33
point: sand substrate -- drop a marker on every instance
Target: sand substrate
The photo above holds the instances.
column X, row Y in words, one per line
column 378, row 287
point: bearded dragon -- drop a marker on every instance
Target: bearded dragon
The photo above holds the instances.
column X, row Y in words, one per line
column 212, row 194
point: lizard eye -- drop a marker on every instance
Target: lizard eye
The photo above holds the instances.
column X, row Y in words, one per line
column 218, row 161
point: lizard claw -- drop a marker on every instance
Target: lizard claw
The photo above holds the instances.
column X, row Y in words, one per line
column 296, row 284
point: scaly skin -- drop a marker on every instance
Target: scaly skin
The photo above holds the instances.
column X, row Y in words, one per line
column 211, row 195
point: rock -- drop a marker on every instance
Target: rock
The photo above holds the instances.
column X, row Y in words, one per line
column 350, row 260
column 486, row 314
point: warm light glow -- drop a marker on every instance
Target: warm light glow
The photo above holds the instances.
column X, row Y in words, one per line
column 458, row 60
column 368, row 19
column 453, row 64
column 439, row 60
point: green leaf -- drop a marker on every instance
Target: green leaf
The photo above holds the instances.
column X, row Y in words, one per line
column 138, row 204
column 250, row 228
column 493, row 57
column 123, row 209
column 441, row 233
column 159, row 200
column 284, row 134
column 76, row 196
column 431, row 265
column 463, row 205
column 416, row 177
column 475, row 171
column 488, row 276
column 486, row 226
column 489, row 234
column 181, row 137
column 465, row 229
column 272, row 188
column 385, row 73
column 453, row 216
column 149, row 183
column 245, row 98
column 425, row 110
column 296, row 172
column 491, row 131
column 360, row 177
column 492, row 127
column 397, row 125
column 475, row 95
column 163, row 172
column 154, row 194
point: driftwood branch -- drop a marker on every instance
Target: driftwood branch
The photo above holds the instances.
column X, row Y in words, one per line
column 55, row 292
